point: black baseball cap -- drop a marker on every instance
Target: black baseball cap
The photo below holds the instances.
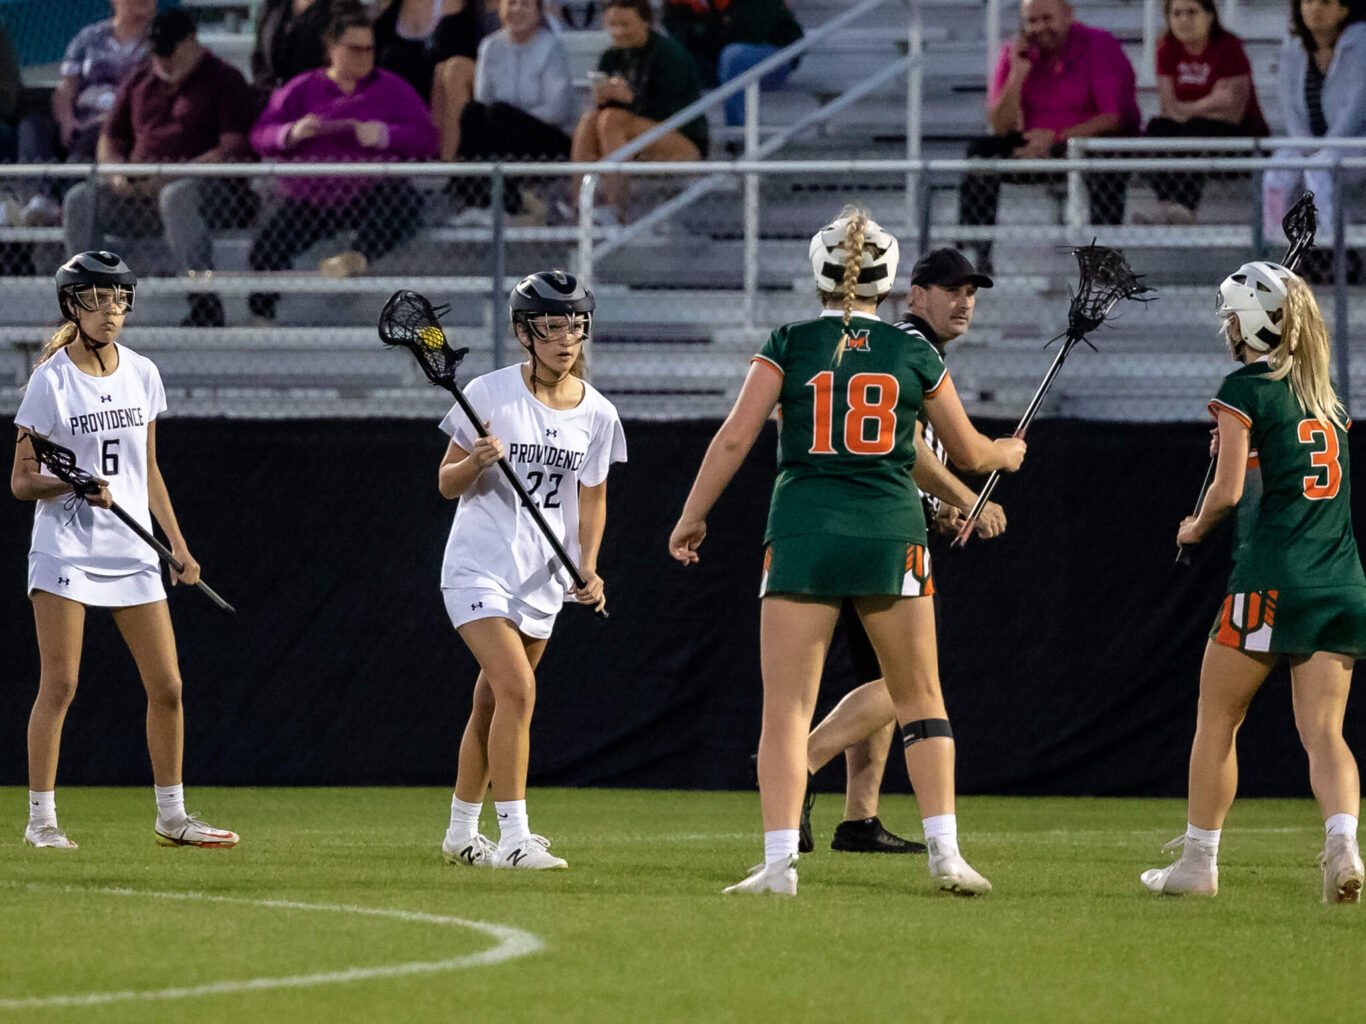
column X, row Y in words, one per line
column 947, row 268
column 168, row 29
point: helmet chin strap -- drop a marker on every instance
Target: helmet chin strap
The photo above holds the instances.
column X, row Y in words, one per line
column 91, row 345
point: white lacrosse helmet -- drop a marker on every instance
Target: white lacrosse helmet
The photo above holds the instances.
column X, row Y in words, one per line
column 1255, row 293
column 877, row 271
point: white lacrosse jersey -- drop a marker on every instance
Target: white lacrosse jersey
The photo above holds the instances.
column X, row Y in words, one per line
column 494, row 542
column 103, row 420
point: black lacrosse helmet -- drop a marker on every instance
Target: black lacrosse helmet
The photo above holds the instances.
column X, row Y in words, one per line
column 550, row 293
column 93, row 269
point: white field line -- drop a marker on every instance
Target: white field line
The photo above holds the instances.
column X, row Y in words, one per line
column 512, row 943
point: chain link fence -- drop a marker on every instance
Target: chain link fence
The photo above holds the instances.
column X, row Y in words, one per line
column 261, row 283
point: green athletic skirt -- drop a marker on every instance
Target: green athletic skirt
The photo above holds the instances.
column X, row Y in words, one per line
column 826, row 566
column 1298, row 620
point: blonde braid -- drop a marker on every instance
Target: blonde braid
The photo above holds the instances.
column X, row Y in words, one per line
column 1304, row 355
column 60, row 339
column 853, row 265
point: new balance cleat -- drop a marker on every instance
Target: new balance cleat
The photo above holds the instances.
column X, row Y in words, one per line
column 951, row 873
column 1342, row 869
column 868, row 836
column 779, row 877
column 47, row 837
column 1193, row 873
column 528, row 853
column 190, row 831
column 476, row 853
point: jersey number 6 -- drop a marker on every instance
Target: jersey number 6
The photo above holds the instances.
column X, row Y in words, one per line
column 870, row 398
column 1324, row 482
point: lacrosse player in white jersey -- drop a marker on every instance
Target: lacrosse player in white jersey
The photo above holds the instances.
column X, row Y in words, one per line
column 101, row 400
column 502, row 583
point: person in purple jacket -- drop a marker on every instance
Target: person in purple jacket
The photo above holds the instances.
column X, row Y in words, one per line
column 349, row 110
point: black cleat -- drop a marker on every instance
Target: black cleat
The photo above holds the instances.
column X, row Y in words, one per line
column 868, row 836
column 806, row 841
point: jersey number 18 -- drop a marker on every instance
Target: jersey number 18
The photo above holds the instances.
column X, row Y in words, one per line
column 870, row 399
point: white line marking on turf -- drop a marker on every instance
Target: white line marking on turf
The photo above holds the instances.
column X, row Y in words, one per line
column 512, row 943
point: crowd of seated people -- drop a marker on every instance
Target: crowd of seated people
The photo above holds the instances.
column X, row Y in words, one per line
column 490, row 80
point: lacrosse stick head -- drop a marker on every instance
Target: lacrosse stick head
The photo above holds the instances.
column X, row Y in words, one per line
column 1300, row 223
column 1105, row 277
column 60, row 461
column 409, row 320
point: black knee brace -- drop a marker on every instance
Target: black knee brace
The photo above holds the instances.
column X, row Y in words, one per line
column 924, row 729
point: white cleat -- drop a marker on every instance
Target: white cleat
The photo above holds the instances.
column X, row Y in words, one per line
column 190, row 831
column 1342, row 870
column 476, row 853
column 779, row 877
column 1193, row 873
column 47, row 837
column 952, row 873
column 528, row 853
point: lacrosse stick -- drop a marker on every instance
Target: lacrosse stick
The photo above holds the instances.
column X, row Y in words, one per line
column 61, row 463
column 1300, row 224
column 1105, row 279
column 409, row 320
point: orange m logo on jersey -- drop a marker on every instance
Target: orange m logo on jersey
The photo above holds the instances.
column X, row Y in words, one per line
column 857, row 341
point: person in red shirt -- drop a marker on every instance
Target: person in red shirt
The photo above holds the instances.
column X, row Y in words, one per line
column 1204, row 82
column 1057, row 79
column 183, row 105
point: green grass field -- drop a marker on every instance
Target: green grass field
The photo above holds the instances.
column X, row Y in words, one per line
column 284, row 928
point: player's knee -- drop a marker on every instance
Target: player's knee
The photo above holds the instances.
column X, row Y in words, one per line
column 56, row 690
column 924, row 729
column 514, row 693
column 164, row 693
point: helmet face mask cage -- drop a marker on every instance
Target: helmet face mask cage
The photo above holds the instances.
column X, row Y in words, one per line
column 94, row 298
column 548, row 327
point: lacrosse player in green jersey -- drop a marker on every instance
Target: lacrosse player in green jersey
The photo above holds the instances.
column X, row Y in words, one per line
column 845, row 521
column 1297, row 587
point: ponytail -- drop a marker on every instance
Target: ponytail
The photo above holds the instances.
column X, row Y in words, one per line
column 853, row 264
column 61, row 338
column 1304, row 353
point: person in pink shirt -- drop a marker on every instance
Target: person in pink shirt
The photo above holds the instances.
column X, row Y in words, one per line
column 1204, row 82
column 347, row 111
column 1057, row 79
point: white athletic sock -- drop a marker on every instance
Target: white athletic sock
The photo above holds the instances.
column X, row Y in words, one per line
column 42, row 808
column 944, row 829
column 1206, row 838
column 170, row 803
column 779, row 845
column 1337, row 825
column 512, row 823
column 464, row 819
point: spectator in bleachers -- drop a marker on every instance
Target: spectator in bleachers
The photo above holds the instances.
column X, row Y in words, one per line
column 728, row 37
column 1204, row 83
column 643, row 79
column 289, row 41
column 1057, row 79
column 350, row 110
column 184, row 105
column 523, row 100
column 433, row 44
column 1323, row 94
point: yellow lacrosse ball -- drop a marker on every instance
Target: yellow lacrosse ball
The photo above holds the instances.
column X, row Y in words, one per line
column 431, row 337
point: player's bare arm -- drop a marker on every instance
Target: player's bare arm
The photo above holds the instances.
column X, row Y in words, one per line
column 970, row 450
column 27, row 484
column 459, row 468
column 1234, row 444
column 757, row 400
column 159, row 502
column 592, row 520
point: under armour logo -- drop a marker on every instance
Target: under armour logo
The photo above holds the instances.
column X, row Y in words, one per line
column 474, row 606
column 551, row 432
column 106, row 398
column 63, row 581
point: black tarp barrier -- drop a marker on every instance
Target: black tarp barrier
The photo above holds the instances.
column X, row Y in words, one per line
column 1070, row 648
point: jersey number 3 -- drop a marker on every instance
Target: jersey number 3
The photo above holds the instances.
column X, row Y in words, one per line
column 1324, row 482
column 869, row 423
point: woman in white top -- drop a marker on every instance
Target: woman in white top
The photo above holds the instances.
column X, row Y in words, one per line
column 502, row 582
column 101, row 400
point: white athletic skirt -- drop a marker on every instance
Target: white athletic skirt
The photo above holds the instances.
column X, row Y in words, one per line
column 465, row 604
column 94, row 590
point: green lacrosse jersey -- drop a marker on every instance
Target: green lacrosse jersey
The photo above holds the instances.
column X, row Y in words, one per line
column 846, row 443
column 1295, row 515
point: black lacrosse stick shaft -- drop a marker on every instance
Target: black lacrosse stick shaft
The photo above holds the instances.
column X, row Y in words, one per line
column 61, row 461
column 1300, row 224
